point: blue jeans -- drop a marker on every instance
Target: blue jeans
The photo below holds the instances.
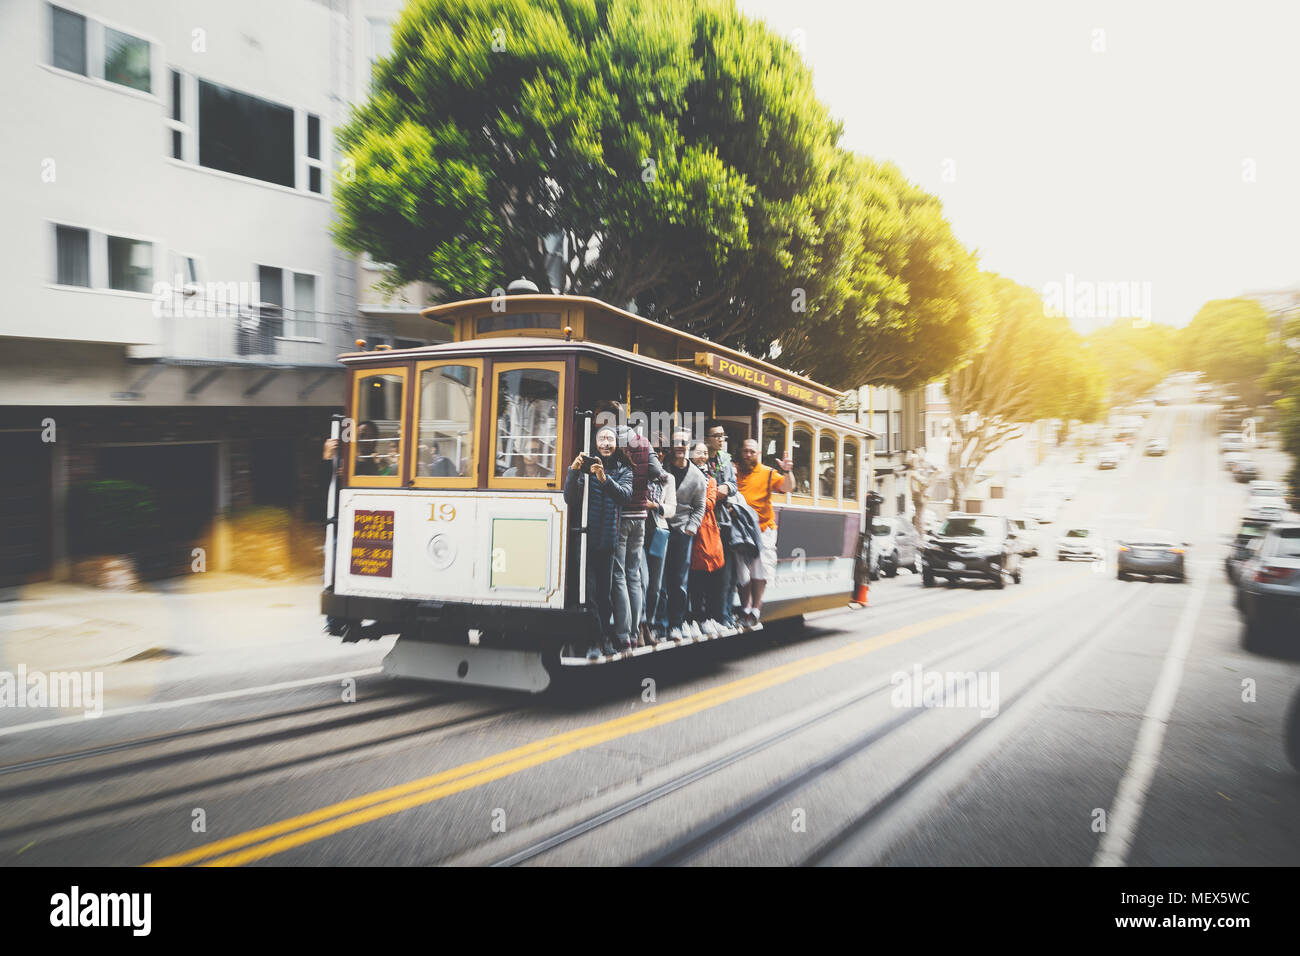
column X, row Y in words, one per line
column 677, row 569
column 627, row 577
column 727, row 587
column 654, row 567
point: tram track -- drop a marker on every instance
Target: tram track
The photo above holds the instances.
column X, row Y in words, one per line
column 462, row 723
column 718, row 828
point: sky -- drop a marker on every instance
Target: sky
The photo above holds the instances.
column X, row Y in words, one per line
column 1150, row 144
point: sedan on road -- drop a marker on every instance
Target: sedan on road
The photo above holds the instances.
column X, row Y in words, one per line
column 1029, row 536
column 1156, row 446
column 1244, row 545
column 1264, row 508
column 1078, row 543
column 1151, row 554
column 973, row 546
column 1269, row 593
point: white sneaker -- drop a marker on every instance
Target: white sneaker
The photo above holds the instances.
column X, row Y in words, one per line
column 695, row 630
column 710, row 629
column 675, row 634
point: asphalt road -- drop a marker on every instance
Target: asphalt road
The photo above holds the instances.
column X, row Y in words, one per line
column 1108, row 723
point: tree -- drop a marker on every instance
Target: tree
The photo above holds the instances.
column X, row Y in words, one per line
column 1034, row 367
column 1284, row 379
column 677, row 147
column 912, row 305
column 1230, row 341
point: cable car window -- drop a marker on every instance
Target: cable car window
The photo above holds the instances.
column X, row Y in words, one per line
column 446, row 423
column 850, row 485
column 377, row 441
column 827, row 452
column 526, row 408
column 772, row 449
column 506, row 322
column 801, row 453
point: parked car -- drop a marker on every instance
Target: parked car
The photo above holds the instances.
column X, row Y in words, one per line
column 1231, row 441
column 1245, row 470
column 1271, row 489
column 1156, row 446
column 894, row 544
column 1264, row 508
column 1268, row 595
column 1108, row 458
column 1231, row 458
column 1029, row 535
column 1151, row 554
column 973, row 546
column 1249, row 536
column 1077, row 543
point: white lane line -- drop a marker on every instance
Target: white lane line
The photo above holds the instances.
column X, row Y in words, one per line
column 186, row 701
column 1126, row 812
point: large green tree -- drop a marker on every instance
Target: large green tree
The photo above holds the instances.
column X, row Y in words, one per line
column 676, row 146
column 1283, row 380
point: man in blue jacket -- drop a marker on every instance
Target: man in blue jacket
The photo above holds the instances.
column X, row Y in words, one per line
column 609, row 480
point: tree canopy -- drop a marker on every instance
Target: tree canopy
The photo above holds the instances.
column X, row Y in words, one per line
column 1230, row 341
column 676, row 154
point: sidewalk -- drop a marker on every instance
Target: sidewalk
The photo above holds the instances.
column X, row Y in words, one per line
column 70, row 627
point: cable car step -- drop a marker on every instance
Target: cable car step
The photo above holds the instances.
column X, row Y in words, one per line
column 497, row 667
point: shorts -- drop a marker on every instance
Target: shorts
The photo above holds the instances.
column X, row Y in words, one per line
column 763, row 566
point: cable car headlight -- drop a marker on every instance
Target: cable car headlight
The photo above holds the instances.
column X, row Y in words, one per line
column 442, row 551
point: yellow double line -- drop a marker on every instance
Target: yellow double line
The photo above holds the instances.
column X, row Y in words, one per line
column 266, row 841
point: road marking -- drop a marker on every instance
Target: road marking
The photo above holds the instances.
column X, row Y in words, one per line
column 295, row 831
column 1126, row 812
column 186, row 701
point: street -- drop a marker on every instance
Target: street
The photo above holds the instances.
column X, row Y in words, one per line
column 1115, row 723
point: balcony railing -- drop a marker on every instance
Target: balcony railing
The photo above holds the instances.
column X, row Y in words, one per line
column 254, row 335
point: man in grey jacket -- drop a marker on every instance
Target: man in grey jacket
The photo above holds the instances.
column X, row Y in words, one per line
column 682, row 527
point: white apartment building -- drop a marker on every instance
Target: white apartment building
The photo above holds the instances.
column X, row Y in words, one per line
column 174, row 301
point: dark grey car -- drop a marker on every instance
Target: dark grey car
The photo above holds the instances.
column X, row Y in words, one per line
column 1151, row 554
column 1268, row 593
column 973, row 546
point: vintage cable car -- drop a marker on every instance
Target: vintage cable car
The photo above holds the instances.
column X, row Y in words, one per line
column 448, row 524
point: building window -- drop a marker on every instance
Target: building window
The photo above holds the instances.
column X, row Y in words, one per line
column 126, row 60
column 245, row 135
column 295, row 294
column 68, row 40
column 850, row 471
column 312, row 159
column 91, row 49
column 177, row 122
column 130, row 264
column 72, row 256
column 827, row 452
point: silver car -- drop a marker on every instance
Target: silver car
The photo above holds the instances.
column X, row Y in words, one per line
column 1151, row 554
column 1268, row 594
column 1078, row 543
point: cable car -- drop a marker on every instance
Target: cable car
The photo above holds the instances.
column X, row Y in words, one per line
column 447, row 520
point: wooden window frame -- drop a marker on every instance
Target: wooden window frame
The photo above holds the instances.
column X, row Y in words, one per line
column 763, row 416
column 544, row 484
column 470, row 480
column 796, row 499
column 403, row 372
column 851, row 503
column 827, row 501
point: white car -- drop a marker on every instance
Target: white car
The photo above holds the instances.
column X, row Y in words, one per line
column 1028, row 534
column 1265, row 508
column 1269, row 489
column 1078, row 543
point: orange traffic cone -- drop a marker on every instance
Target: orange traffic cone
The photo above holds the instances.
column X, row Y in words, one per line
column 861, row 596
